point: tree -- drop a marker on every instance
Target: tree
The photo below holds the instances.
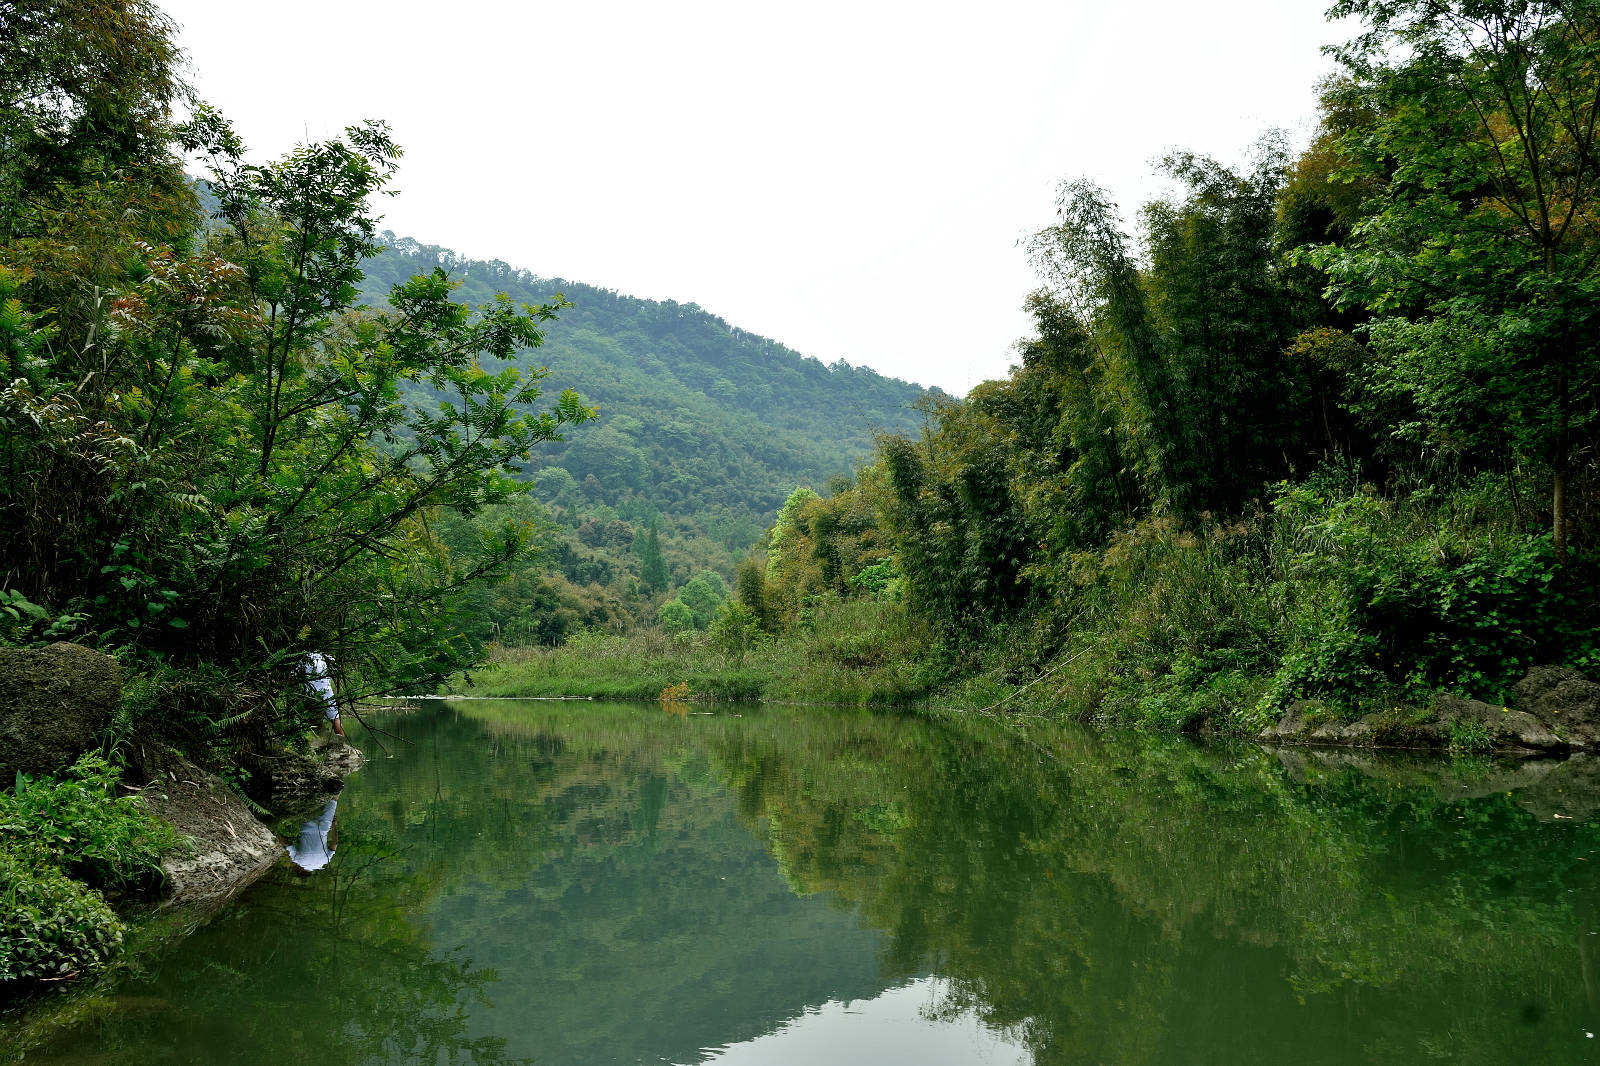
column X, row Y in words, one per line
column 1224, row 315
column 703, row 594
column 1086, row 260
column 750, row 587
column 652, row 566
column 86, row 88
column 215, row 455
column 675, row 616
column 1478, row 254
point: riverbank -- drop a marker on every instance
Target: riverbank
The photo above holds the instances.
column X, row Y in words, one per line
column 1551, row 709
column 108, row 817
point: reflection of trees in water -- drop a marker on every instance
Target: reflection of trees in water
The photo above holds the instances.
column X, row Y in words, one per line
column 605, row 873
column 1103, row 901
column 330, row 968
column 1120, row 903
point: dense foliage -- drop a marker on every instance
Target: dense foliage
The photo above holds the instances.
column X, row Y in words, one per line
column 62, row 841
column 1326, row 429
column 215, row 458
column 51, row 927
column 705, row 429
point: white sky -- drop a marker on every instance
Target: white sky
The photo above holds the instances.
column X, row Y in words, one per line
column 850, row 179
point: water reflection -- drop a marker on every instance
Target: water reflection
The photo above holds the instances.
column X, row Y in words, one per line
column 905, row 1024
column 603, row 884
column 313, row 848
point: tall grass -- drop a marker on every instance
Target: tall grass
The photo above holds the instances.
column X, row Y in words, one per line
column 858, row 652
column 633, row 667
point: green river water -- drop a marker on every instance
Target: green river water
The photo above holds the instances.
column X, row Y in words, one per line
column 577, row 883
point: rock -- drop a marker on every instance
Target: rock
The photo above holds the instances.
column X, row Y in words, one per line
column 1331, row 733
column 1564, row 701
column 1384, row 730
column 1506, row 728
column 289, row 780
column 225, row 847
column 342, row 757
column 53, row 703
column 1361, row 731
column 1294, row 723
column 1403, row 728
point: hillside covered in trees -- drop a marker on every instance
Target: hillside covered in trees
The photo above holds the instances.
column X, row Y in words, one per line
column 703, row 431
column 1320, row 430
column 698, row 418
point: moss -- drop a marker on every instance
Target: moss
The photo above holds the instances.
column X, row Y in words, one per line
column 1404, row 727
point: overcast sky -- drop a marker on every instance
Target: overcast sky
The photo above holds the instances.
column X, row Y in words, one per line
column 850, row 179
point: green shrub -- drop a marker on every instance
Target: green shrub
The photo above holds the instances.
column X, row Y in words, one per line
column 79, row 823
column 736, row 630
column 675, row 616
column 1409, row 596
column 51, row 926
column 1468, row 738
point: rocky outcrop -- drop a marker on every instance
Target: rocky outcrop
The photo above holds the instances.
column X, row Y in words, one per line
column 1556, row 711
column 1564, row 699
column 226, row 847
column 53, row 703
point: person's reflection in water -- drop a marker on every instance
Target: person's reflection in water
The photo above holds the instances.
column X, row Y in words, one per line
column 318, row 837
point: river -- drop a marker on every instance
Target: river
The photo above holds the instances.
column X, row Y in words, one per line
column 585, row 883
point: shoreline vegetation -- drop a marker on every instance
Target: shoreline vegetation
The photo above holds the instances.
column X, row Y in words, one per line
column 1322, row 430
column 1219, row 631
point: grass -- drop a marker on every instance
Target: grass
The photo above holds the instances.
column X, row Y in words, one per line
column 634, row 667
column 860, row 653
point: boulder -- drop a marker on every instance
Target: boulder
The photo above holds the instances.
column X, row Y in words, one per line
column 1296, row 722
column 1505, row 727
column 1565, row 701
column 54, row 702
column 224, row 848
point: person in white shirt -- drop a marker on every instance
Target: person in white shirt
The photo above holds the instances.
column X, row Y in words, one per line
column 319, row 672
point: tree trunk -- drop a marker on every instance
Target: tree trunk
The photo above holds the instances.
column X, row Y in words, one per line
column 1558, row 505
column 1558, row 472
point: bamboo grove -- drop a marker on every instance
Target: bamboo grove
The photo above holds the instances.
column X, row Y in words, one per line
column 1323, row 427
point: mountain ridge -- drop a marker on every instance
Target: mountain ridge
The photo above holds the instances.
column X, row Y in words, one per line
column 697, row 414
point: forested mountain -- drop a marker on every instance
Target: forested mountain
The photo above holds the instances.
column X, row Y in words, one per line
column 699, row 420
